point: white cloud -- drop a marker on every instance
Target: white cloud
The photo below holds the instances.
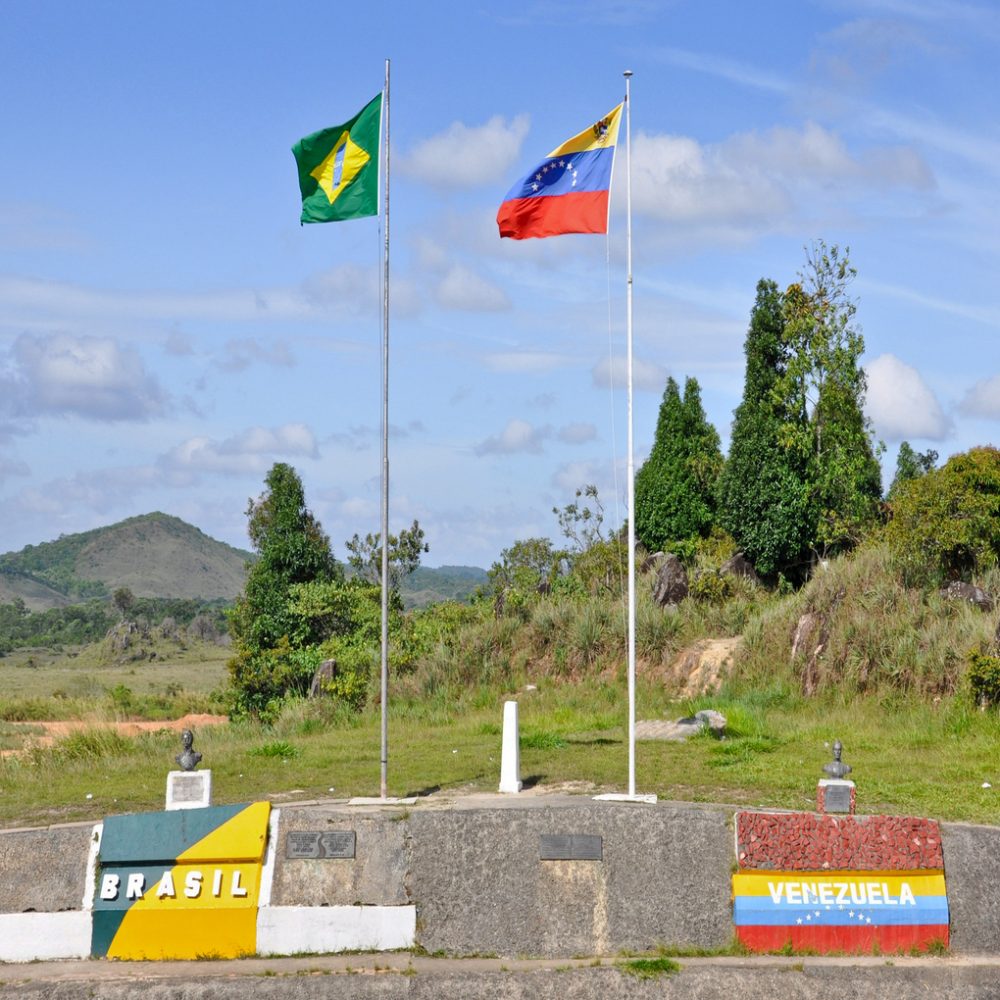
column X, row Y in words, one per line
column 462, row 288
column 900, row 404
column 517, row 436
column 646, row 375
column 758, row 178
column 465, row 156
column 12, row 467
column 524, row 362
column 577, row 433
column 983, row 399
column 241, row 354
column 91, row 377
column 251, row 451
column 726, row 69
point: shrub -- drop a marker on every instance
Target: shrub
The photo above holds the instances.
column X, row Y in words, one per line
column 984, row 678
column 946, row 524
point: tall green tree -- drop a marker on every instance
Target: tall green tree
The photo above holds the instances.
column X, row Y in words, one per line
column 910, row 464
column 291, row 548
column 675, row 488
column 822, row 391
column 764, row 500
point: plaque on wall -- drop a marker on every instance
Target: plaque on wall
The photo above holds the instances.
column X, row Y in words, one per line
column 320, row 845
column 570, row 847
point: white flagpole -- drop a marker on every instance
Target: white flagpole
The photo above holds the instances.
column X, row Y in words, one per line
column 631, row 795
column 384, row 757
column 631, row 449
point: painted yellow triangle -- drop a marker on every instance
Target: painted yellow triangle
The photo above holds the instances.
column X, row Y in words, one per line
column 241, row 838
column 343, row 163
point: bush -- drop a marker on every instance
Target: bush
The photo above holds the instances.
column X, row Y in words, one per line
column 984, row 678
column 946, row 524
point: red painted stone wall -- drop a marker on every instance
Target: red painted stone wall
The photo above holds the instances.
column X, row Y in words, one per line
column 807, row 842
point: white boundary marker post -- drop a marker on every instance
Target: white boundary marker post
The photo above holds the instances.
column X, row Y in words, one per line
column 510, row 754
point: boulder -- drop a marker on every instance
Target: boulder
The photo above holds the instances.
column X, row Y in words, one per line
column 739, row 565
column 671, row 583
column 651, row 562
column 325, row 673
column 958, row 590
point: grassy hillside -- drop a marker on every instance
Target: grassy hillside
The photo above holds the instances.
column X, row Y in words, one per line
column 426, row 585
column 154, row 555
column 854, row 655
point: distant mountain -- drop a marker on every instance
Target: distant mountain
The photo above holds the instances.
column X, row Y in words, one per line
column 154, row 555
column 157, row 555
column 426, row 585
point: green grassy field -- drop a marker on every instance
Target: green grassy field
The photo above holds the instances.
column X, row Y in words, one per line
column 42, row 674
column 909, row 757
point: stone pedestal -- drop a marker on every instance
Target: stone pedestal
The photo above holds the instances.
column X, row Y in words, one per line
column 189, row 789
column 836, row 796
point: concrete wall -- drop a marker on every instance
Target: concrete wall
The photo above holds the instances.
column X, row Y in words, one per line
column 467, row 879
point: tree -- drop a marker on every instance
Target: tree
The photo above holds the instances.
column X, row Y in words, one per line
column 910, row 464
column 763, row 489
column 292, row 548
column 675, row 488
column 822, row 392
column 581, row 521
column 946, row 523
column 405, row 550
column 123, row 599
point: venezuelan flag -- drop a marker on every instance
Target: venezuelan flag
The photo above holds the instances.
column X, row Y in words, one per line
column 840, row 911
column 568, row 191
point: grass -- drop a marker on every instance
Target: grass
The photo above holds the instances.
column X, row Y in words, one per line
column 772, row 758
column 885, row 665
column 648, row 968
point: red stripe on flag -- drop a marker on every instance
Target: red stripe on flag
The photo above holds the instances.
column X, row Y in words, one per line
column 853, row 940
column 577, row 212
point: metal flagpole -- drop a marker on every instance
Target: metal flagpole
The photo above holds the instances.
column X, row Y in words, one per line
column 631, row 450
column 385, row 463
column 631, row 795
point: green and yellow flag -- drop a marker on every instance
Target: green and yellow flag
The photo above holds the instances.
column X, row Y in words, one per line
column 338, row 168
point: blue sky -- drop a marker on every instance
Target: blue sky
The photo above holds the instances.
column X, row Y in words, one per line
column 168, row 330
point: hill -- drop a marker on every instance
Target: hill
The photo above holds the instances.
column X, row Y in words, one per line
column 427, row 585
column 154, row 555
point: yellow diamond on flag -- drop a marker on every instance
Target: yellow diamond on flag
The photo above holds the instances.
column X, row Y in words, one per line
column 343, row 163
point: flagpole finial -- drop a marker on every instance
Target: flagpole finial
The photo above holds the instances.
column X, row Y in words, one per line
column 627, row 73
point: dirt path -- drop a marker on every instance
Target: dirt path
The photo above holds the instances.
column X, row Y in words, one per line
column 53, row 730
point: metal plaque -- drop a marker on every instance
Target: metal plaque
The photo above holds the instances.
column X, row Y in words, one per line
column 837, row 797
column 570, row 847
column 187, row 787
column 320, row 845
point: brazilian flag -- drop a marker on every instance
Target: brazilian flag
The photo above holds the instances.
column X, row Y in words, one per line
column 338, row 168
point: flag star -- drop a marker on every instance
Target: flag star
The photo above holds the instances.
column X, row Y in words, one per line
column 538, row 176
column 817, row 913
column 809, row 916
column 861, row 916
column 851, row 914
column 799, row 921
column 869, row 919
column 562, row 163
column 534, row 187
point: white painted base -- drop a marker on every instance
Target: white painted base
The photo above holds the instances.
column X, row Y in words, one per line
column 42, row 937
column 289, row 930
column 510, row 751
column 622, row 797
